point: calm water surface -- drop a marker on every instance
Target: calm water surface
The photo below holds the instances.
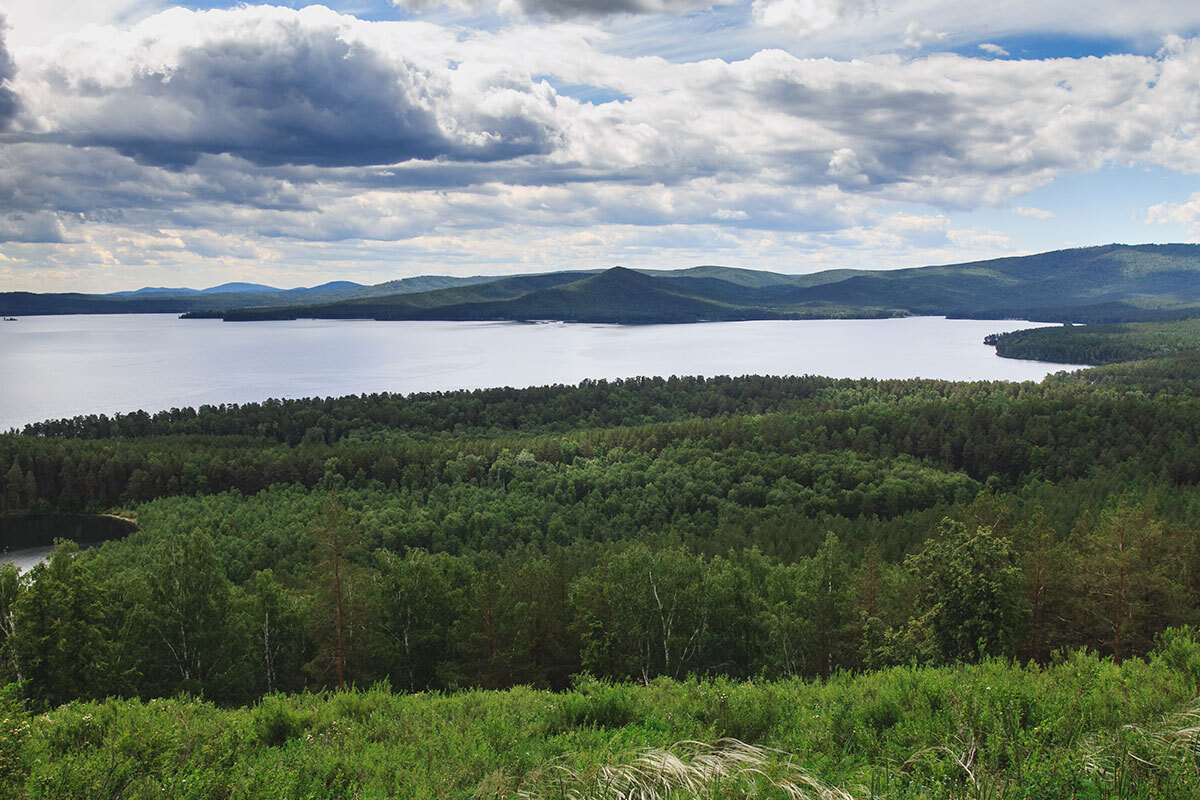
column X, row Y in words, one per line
column 25, row 558
column 61, row 366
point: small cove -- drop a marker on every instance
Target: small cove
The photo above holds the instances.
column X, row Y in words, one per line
column 26, row 540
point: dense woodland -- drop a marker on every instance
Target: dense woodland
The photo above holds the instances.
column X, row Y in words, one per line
column 1101, row 344
column 679, row 535
column 1109, row 283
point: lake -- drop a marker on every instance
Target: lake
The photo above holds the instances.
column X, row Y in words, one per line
column 62, row 366
column 25, row 558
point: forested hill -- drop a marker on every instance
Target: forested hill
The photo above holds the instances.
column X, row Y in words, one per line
column 1098, row 284
column 161, row 300
column 1112, row 283
column 1101, row 344
column 797, row 526
column 1153, row 356
column 994, row 574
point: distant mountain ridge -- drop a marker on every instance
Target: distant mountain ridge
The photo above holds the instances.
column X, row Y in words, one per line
column 1109, row 283
column 1098, row 284
column 233, row 288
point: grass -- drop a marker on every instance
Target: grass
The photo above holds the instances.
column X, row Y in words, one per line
column 1084, row 728
column 728, row 768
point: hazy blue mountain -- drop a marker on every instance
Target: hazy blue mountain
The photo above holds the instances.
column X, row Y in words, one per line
column 617, row 295
column 154, row 291
column 1109, row 283
column 1137, row 276
column 241, row 288
column 423, row 283
column 1112, row 283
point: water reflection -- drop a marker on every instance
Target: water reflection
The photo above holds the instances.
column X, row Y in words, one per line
column 67, row 365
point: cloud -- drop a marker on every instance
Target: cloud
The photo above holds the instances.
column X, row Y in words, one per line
column 994, row 49
column 573, row 9
column 1186, row 214
column 34, row 24
column 916, row 37
column 1035, row 213
column 563, row 9
column 37, row 227
column 881, row 26
column 297, row 136
column 9, row 103
column 804, row 17
column 278, row 87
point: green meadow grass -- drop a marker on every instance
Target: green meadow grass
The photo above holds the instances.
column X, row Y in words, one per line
column 1082, row 727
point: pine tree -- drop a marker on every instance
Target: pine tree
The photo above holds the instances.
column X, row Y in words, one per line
column 337, row 607
column 1126, row 595
column 972, row 592
column 14, row 485
column 61, row 632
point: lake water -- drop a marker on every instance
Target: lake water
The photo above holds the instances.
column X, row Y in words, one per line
column 61, row 366
column 25, row 558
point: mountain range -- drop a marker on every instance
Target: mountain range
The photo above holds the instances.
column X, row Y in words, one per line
column 1110, row 283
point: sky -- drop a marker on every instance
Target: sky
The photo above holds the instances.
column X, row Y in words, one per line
column 144, row 143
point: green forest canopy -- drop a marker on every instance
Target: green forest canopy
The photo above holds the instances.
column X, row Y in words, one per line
column 682, row 533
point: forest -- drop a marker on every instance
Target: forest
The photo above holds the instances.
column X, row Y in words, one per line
column 880, row 588
column 1102, row 344
column 1108, row 283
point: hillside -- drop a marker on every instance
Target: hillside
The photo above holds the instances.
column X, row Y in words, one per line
column 1101, row 344
column 876, row 581
column 617, row 295
column 1120, row 281
column 1107, row 284
column 844, row 739
column 1113, row 283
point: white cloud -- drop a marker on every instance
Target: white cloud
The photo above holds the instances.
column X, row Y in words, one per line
column 804, row 17
column 275, row 86
column 37, row 23
column 882, row 26
column 295, row 136
column 916, row 37
column 1186, row 214
column 994, row 49
column 561, row 9
column 1035, row 213
column 978, row 238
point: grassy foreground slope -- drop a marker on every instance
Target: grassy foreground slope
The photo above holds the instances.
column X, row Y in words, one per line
column 1081, row 728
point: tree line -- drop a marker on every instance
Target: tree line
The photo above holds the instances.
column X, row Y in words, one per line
column 189, row 609
column 1001, row 434
column 843, row 525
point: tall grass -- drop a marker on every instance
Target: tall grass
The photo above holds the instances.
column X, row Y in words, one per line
column 727, row 769
column 1082, row 728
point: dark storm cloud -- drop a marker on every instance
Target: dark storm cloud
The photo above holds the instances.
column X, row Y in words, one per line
column 901, row 130
column 270, row 124
column 307, row 97
column 31, row 228
column 9, row 104
column 101, row 185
